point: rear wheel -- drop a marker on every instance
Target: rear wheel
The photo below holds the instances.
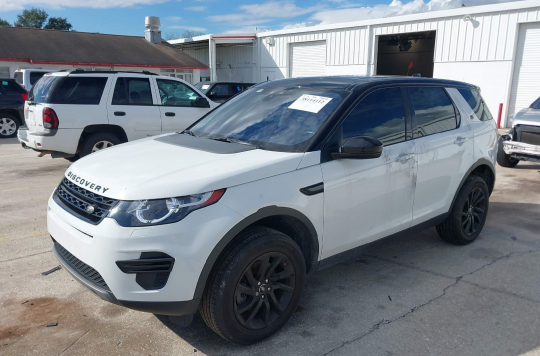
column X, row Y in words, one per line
column 255, row 288
column 503, row 159
column 97, row 142
column 8, row 125
column 468, row 216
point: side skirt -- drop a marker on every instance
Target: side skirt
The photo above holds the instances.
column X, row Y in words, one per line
column 357, row 251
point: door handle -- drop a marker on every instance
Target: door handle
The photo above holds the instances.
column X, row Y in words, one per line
column 404, row 158
column 170, row 114
column 461, row 140
column 119, row 113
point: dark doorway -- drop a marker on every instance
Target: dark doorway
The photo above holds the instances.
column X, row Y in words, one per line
column 397, row 53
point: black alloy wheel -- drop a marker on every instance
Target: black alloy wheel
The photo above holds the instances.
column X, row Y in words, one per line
column 264, row 291
column 472, row 214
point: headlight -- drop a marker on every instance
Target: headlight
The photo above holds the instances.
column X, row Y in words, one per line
column 161, row 211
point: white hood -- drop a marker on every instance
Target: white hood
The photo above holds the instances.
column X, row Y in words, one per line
column 150, row 169
column 527, row 117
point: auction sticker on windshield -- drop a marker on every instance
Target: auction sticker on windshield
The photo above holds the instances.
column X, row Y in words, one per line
column 205, row 87
column 311, row 103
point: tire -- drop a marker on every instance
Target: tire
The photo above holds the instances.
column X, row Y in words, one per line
column 72, row 159
column 99, row 139
column 466, row 220
column 232, row 294
column 9, row 125
column 503, row 159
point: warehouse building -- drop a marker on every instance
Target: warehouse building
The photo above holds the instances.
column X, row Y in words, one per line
column 496, row 47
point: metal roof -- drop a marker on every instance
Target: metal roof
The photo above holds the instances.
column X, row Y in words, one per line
column 40, row 46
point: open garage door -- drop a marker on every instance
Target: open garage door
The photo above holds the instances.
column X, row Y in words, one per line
column 526, row 80
column 406, row 54
column 308, row 59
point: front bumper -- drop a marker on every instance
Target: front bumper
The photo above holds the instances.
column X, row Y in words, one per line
column 522, row 151
column 61, row 140
column 100, row 247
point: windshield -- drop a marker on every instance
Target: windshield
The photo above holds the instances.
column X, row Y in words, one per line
column 202, row 87
column 276, row 116
column 42, row 91
column 536, row 104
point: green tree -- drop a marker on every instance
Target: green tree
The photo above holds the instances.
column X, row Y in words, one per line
column 32, row 18
column 58, row 23
column 4, row 22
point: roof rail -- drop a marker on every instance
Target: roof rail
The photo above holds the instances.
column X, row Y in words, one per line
column 83, row 71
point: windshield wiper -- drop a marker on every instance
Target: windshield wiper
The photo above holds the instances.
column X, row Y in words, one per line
column 232, row 140
column 189, row 132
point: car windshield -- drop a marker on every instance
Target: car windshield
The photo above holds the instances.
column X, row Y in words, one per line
column 42, row 91
column 202, row 87
column 277, row 116
column 536, row 104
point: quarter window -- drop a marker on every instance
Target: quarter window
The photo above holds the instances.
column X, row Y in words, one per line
column 132, row 91
column 433, row 110
column 476, row 103
column 174, row 93
column 379, row 115
column 79, row 90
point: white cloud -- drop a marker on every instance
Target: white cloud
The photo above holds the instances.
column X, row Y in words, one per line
column 174, row 18
column 191, row 28
column 297, row 25
column 196, row 8
column 248, row 29
column 265, row 12
column 395, row 8
column 8, row 5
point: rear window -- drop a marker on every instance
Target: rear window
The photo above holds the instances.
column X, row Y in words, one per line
column 35, row 76
column 10, row 86
column 476, row 103
column 43, row 90
column 18, row 77
column 433, row 110
column 79, row 90
column 536, row 104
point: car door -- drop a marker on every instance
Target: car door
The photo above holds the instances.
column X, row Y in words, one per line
column 444, row 149
column 177, row 105
column 132, row 106
column 219, row 93
column 368, row 199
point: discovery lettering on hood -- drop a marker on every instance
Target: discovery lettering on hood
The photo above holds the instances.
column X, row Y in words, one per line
column 86, row 184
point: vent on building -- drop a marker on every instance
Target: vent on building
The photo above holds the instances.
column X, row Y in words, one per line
column 152, row 33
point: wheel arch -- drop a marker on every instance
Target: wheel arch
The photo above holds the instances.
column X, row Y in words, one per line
column 114, row 129
column 14, row 113
column 483, row 168
column 286, row 220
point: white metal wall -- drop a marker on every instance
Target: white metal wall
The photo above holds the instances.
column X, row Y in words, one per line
column 479, row 51
column 308, row 59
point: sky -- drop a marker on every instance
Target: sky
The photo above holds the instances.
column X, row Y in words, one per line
column 126, row 17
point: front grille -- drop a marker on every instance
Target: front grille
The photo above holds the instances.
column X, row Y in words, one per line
column 528, row 134
column 76, row 200
column 82, row 269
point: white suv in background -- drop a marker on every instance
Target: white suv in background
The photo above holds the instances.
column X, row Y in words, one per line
column 289, row 177
column 72, row 114
column 28, row 77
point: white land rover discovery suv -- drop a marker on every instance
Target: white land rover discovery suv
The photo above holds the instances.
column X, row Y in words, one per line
column 286, row 178
column 72, row 114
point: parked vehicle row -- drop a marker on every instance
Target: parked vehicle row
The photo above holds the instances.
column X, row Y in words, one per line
column 522, row 142
column 72, row 114
column 12, row 97
column 291, row 176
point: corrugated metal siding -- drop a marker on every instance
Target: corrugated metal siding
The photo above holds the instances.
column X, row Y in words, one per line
column 200, row 53
column 487, row 37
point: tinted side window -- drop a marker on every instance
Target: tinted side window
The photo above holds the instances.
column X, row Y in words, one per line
column 132, row 91
column 220, row 89
column 235, row 89
column 35, row 76
column 379, row 115
column 433, row 110
column 79, row 90
column 476, row 103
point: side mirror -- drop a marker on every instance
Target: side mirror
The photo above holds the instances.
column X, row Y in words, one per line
column 201, row 103
column 359, row 147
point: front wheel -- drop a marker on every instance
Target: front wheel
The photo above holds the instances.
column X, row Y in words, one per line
column 503, row 159
column 255, row 287
column 468, row 216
